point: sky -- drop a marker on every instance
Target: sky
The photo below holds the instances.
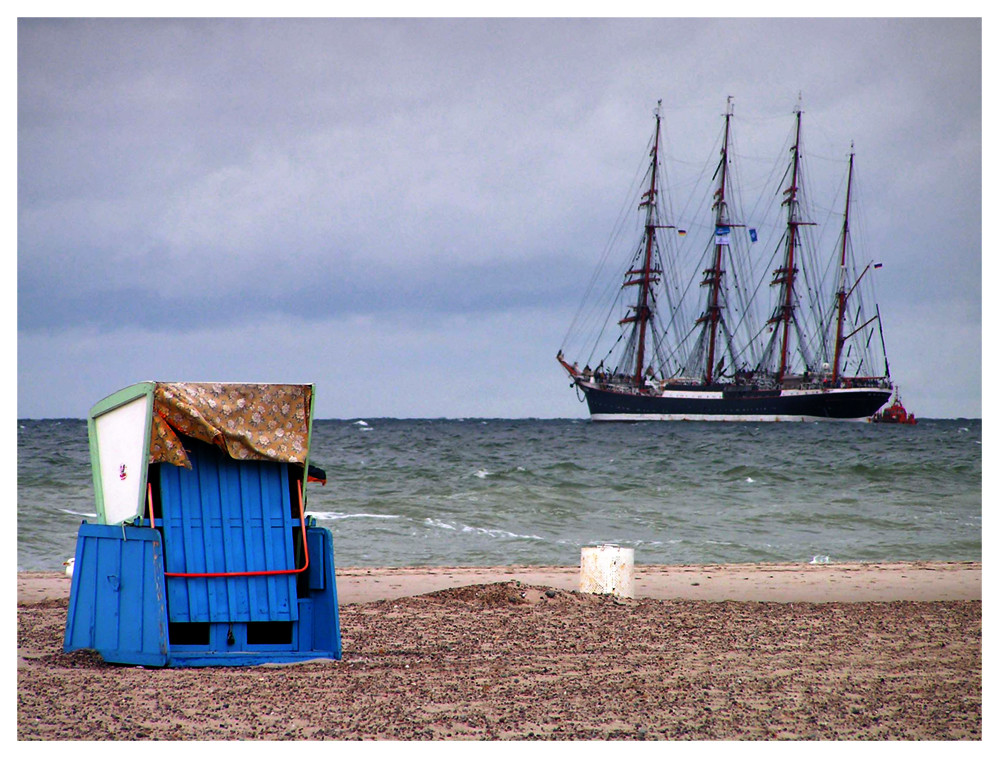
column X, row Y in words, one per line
column 407, row 212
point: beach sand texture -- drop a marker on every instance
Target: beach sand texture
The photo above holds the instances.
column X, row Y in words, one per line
column 816, row 652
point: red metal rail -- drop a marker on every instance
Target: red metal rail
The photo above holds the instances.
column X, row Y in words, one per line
column 262, row 573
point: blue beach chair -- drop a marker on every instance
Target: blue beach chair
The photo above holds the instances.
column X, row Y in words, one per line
column 203, row 554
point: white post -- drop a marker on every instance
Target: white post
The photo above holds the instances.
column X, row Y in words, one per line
column 607, row 569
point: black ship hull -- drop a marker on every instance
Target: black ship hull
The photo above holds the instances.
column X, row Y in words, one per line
column 722, row 404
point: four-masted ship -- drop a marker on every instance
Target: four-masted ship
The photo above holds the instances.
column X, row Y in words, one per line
column 670, row 351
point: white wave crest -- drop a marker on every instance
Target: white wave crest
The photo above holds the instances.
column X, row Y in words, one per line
column 334, row 515
column 440, row 524
column 78, row 513
column 491, row 532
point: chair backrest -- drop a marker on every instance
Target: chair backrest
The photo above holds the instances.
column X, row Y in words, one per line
column 220, row 516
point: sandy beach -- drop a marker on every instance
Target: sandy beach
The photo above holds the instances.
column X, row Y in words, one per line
column 762, row 651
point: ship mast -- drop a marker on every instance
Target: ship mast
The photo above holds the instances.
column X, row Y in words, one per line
column 842, row 291
column 785, row 276
column 713, row 275
column 645, row 276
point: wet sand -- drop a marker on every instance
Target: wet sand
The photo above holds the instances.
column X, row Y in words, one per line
column 782, row 651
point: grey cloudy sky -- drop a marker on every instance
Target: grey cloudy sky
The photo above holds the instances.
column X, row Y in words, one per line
column 407, row 212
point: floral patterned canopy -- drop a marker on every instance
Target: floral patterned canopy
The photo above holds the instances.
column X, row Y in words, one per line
column 249, row 421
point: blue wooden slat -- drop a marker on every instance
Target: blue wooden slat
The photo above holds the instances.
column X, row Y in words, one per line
column 189, row 514
column 284, row 526
column 236, row 587
column 82, row 604
column 250, row 488
column 210, row 546
column 270, row 545
column 168, row 495
column 245, row 511
column 107, row 579
column 153, row 596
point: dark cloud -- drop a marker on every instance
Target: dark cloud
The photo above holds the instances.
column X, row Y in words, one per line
column 184, row 175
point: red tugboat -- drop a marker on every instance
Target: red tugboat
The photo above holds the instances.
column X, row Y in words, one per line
column 895, row 413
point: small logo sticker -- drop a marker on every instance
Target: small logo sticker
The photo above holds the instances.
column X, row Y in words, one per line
column 122, row 474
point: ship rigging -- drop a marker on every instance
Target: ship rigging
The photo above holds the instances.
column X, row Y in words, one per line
column 703, row 353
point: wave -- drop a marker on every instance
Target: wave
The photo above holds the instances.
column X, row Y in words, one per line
column 488, row 531
column 331, row 516
column 71, row 512
column 483, row 472
column 534, row 491
column 753, row 474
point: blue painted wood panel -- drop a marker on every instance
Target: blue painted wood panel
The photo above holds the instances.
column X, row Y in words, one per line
column 117, row 595
column 224, row 515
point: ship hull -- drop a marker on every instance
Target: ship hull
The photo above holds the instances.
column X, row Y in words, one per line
column 706, row 404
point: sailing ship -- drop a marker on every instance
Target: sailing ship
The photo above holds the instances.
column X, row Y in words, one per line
column 667, row 350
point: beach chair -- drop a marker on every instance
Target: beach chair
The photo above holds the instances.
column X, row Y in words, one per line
column 202, row 554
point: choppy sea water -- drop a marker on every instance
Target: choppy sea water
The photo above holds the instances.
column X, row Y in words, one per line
column 489, row 492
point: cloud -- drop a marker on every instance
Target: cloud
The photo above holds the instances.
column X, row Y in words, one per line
column 183, row 177
column 396, row 365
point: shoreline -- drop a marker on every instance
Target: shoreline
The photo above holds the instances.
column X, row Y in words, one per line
column 776, row 582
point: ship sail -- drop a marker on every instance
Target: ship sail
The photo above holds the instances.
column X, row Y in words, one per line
column 678, row 350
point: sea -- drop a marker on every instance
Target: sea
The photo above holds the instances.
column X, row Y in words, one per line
column 496, row 492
